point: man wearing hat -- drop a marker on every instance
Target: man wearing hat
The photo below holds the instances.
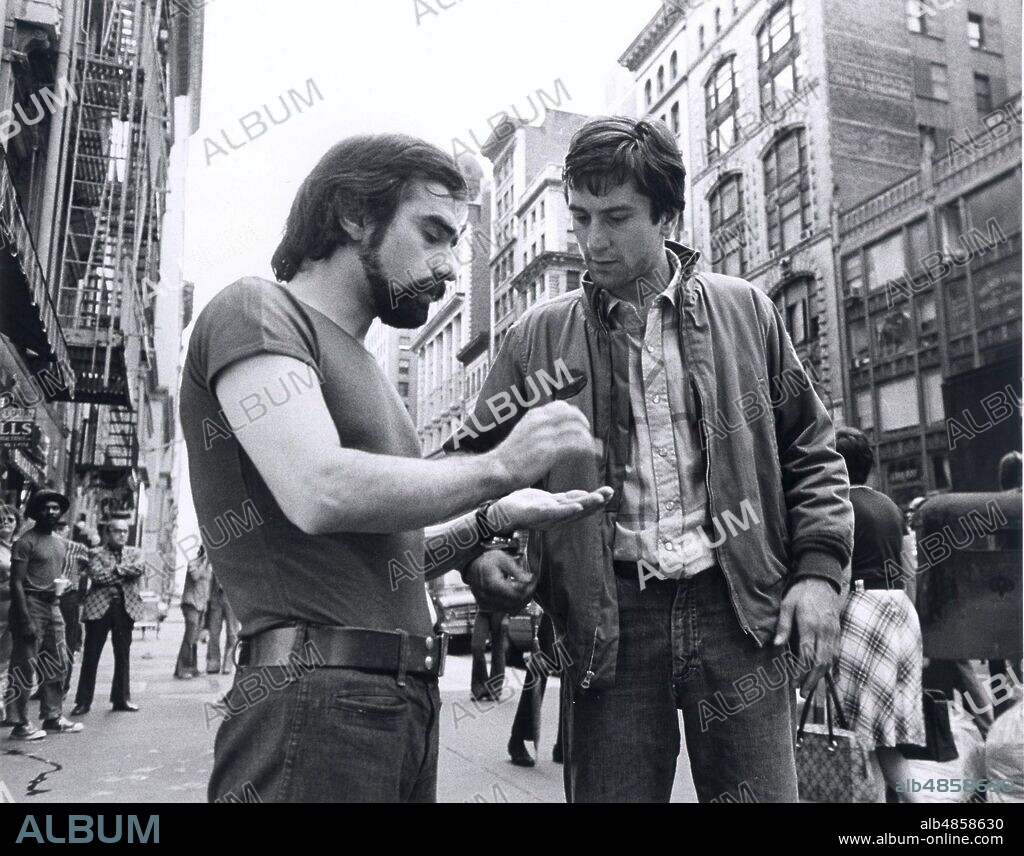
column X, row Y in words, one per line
column 37, row 627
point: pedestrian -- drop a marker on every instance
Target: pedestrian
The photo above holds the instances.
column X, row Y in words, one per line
column 289, row 421
column 219, row 614
column 112, row 606
column 489, row 625
column 10, row 521
column 878, row 670
column 703, row 411
column 194, row 598
column 75, row 560
column 36, row 624
column 526, row 723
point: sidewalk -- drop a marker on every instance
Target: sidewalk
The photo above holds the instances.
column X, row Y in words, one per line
column 164, row 752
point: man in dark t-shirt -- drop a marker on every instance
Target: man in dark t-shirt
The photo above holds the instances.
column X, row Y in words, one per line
column 312, row 496
column 37, row 627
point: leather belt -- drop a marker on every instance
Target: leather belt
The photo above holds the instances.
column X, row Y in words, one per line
column 390, row 651
column 44, row 596
column 877, row 584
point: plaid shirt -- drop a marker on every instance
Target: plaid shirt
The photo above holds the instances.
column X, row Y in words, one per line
column 664, row 498
column 108, row 573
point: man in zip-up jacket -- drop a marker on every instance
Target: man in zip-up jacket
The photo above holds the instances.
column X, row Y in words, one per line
column 711, row 581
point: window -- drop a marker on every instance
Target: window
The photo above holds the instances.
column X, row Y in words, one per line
column 661, row 79
column 927, row 321
column 927, row 139
column 999, row 200
column 865, row 411
column 403, row 367
column 403, row 388
column 728, row 228
column 939, row 81
column 860, row 355
column 787, row 191
column 673, row 65
column 720, row 103
column 897, row 404
column 572, row 280
column 893, row 333
column 853, row 278
column 542, row 242
column 674, row 113
column 950, row 226
column 718, row 21
column 918, row 244
column 975, row 30
column 542, row 209
column 700, row 36
column 778, row 47
column 647, row 93
column 934, row 411
column 916, row 21
column 983, row 94
column 885, row 260
column 533, row 218
column 793, row 304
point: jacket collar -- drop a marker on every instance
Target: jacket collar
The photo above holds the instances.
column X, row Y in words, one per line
column 683, row 260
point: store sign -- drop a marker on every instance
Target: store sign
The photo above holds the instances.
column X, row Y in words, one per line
column 17, row 428
column 903, row 472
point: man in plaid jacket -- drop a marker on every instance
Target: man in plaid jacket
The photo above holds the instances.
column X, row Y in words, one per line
column 113, row 605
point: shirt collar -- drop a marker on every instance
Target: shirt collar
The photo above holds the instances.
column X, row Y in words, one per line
column 681, row 259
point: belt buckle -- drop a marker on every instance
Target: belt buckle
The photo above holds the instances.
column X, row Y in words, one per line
column 858, row 585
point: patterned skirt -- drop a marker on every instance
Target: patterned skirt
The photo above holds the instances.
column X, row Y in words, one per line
column 878, row 676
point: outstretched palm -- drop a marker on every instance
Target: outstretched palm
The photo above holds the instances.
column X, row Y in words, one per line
column 532, row 508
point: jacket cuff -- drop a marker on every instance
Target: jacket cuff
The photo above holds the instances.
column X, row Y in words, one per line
column 823, row 566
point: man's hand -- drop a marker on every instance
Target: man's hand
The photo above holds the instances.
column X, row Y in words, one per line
column 540, row 439
column 531, row 508
column 499, row 581
column 29, row 631
column 812, row 605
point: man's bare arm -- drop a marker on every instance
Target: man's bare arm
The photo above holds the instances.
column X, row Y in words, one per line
column 323, row 487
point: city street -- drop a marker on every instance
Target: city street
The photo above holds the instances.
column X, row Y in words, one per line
column 164, row 752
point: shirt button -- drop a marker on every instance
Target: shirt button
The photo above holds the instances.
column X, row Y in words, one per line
column 428, row 662
column 650, row 349
column 669, row 505
column 668, row 545
column 429, row 642
column 655, row 399
column 663, row 452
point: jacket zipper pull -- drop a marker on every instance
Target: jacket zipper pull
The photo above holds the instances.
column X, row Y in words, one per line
column 585, row 683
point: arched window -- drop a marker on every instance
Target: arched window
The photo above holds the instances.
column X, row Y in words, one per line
column 647, row 93
column 661, row 79
column 674, row 113
column 721, row 103
column 700, row 36
column 673, row 65
column 794, row 304
column 778, row 46
column 787, row 191
column 729, row 232
column 718, row 21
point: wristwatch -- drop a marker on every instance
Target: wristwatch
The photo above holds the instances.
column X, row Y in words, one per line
column 487, row 532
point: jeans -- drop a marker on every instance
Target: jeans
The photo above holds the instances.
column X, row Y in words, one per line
column 680, row 645
column 46, row 654
column 119, row 624
column 326, row 735
column 490, row 624
column 188, row 654
column 71, row 610
column 221, row 613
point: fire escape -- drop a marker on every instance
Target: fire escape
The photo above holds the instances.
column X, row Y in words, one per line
column 117, row 166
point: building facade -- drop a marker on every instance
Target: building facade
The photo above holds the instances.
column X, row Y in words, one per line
column 931, row 300
column 87, row 91
column 534, row 254
column 799, row 108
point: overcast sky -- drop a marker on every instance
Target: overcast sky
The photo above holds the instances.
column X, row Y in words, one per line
column 386, row 65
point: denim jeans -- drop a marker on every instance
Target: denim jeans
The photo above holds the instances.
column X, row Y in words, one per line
column 681, row 646
column 46, row 655
column 327, row 735
column 220, row 615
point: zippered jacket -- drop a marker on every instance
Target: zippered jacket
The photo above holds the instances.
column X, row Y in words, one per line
column 774, row 479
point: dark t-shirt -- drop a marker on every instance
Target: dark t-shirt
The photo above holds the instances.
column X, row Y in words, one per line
column 877, row 533
column 45, row 555
column 272, row 572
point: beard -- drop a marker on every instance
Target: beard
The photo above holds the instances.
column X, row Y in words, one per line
column 397, row 304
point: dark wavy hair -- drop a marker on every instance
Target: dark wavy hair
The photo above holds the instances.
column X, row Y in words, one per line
column 361, row 178
column 612, row 150
column 854, row 446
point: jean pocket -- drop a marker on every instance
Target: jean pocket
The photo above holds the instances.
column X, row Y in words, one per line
column 377, row 705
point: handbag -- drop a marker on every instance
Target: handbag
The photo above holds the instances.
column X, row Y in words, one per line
column 833, row 765
column 939, row 742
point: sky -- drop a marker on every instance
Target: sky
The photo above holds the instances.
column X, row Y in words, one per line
column 386, row 65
